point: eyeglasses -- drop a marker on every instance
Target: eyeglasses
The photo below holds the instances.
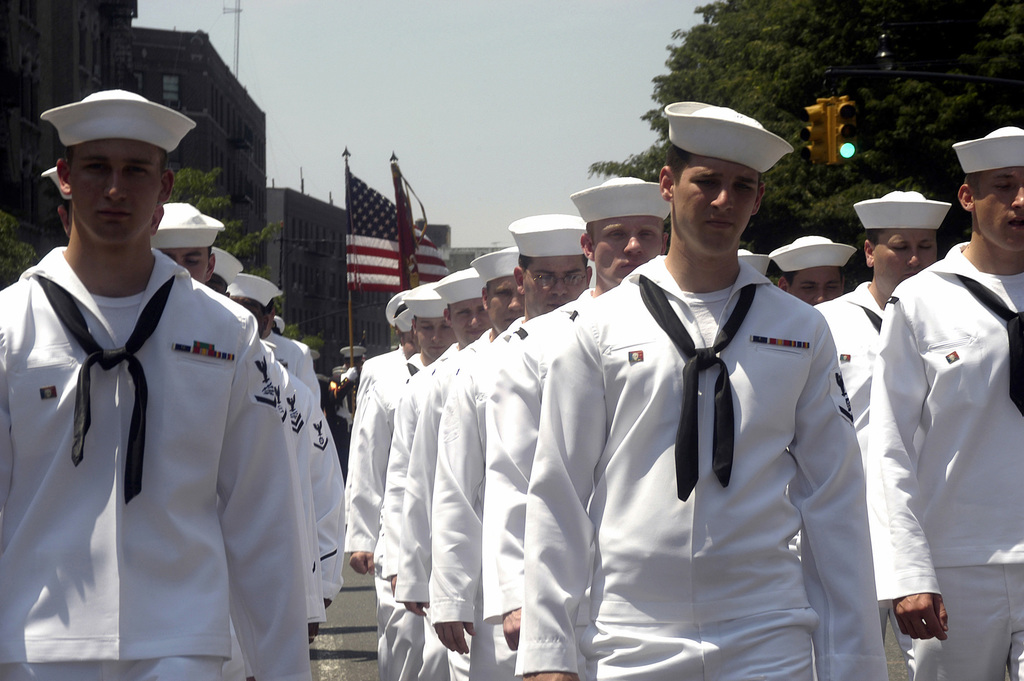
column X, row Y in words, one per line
column 546, row 281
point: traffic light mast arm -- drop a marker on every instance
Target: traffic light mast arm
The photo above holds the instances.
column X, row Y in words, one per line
column 834, row 72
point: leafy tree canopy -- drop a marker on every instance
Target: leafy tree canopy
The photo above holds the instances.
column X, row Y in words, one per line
column 15, row 256
column 315, row 342
column 200, row 189
column 767, row 59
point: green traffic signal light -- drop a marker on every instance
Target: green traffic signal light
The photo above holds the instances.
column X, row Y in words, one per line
column 845, row 128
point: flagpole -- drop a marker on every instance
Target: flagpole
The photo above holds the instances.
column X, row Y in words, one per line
column 348, row 215
column 406, row 230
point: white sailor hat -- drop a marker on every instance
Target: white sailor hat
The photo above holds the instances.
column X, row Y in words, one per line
column 118, row 114
column 811, row 251
column 756, row 260
column 403, row 320
column 424, row 302
column 52, row 175
column 621, row 197
column 720, row 132
column 183, row 226
column 497, row 265
column 226, row 266
column 253, row 287
column 542, row 236
column 397, row 312
column 1002, row 148
column 901, row 210
column 279, row 323
column 353, row 351
column 459, row 286
column 392, row 308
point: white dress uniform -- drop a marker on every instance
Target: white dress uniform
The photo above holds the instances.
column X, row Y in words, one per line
column 319, row 495
column 856, row 334
column 857, row 339
column 407, row 414
column 109, row 580
column 672, row 579
column 368, row 462
column 456, row 591
column 512, row 418
column 372, row 430
column 315, row 449
column 417, row 652
column 414, row 560
column 289, row 406
column 387, row 366
column 412, row 564
column 947, row 438
column 297, row 359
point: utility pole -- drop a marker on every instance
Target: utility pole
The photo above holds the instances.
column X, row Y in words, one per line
column 237, row 11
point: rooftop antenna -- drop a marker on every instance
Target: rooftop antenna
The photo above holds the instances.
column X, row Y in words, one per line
column 237, row 11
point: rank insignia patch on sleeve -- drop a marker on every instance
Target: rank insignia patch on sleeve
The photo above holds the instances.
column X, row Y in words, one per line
column 268, row 393
column 296, row 418
column 842, row 400
column 321, row 439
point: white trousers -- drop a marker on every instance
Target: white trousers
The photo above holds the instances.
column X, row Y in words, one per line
column 774, row 646
column 407, row 647
column 985, row 605
column 490, row 656
column 458, row 665
column 887, row 618
column 193, row 668
column 234, row 668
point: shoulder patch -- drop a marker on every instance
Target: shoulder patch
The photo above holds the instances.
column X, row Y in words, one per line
column 267, row 392
column 297, row 422
column 840, row 398
column 321, row 440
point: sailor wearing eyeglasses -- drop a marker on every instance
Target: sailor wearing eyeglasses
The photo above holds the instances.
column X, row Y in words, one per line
column 552, row 271
column 625, row 228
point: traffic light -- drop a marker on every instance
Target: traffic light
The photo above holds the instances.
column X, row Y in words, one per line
column 831, row 132
column 816, row 134
column 844, row 128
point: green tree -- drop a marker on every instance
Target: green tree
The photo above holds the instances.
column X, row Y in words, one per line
column 15, row 255
column 767, row 59
column 315, row 342
column 200, row 189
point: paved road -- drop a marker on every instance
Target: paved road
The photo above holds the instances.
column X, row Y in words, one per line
column 346, row 649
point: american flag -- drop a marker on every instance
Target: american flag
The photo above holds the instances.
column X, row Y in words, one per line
column 374, row 260
column 429, row 261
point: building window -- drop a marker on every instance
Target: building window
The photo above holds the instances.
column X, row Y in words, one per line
column 171, row 91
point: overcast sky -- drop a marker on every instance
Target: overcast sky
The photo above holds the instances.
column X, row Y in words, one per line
column 495, row 108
